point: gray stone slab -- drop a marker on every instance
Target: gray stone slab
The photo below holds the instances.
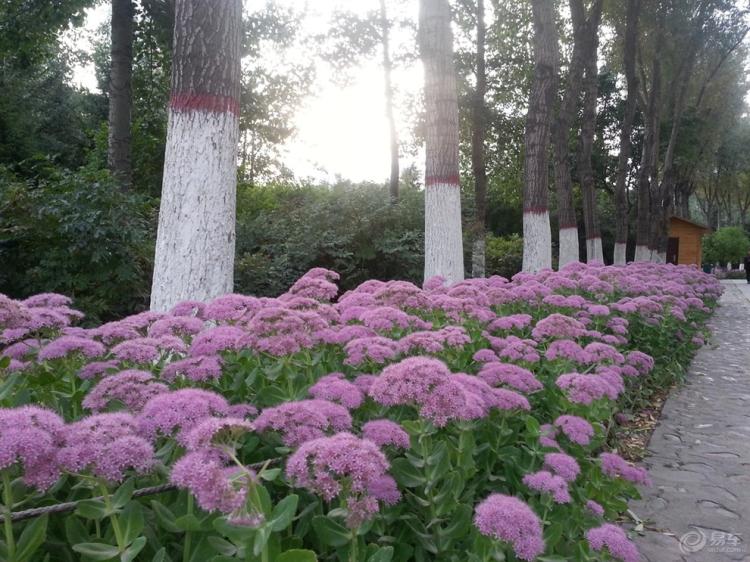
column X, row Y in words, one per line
column 698, row 509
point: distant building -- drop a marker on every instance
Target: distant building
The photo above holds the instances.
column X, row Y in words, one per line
column 685, row 245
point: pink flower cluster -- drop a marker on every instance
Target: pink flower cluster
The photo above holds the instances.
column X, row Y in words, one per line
column 344, row 464
column 510, row 520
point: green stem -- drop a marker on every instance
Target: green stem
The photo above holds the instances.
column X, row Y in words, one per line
column 188, row 536
column 113, row 518
column 353, row 555
column 8, row 501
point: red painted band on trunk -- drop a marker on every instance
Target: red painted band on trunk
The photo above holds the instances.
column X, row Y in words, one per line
column 204, row 102
column 567, row 226
column 450, row 180
column 536, row 210
column 593, row 238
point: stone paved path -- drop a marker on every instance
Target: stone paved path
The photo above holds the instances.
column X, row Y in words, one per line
column 700, row 452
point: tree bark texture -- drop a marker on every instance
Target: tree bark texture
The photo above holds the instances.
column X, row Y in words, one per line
column 537, row 237
column 385, row 32
column 121, row 92
column 568, row 223
column 196, row 234
column 478, row 137
column 443, row 237
column 648, row 174
column 621, row 201
column 588, row 132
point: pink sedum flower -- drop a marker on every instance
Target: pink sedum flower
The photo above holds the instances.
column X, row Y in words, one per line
column 614, row 539
column 578, row 430
column 108, row 446
column 564, row 466
column 303, row 420
column 216, row 486
column 30, row 439
column 386, row 432
column 614, row 466
column 510, row 520
column 132, row 388
column 548, row 483
column 324, row 465
column 176, row 413
column 66, row 345
column 335, row 388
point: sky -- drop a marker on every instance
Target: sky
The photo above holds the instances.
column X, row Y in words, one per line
column 341, row 131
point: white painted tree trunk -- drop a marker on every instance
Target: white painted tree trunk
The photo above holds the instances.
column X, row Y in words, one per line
column 537, row 242
column 642, row 253
column 196, row 236
column 658, row 257
column 444, row 253
column 620, row 253
column 594, row 253
column 569, row 250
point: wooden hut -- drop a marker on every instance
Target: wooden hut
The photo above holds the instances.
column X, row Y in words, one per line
column 685, row 241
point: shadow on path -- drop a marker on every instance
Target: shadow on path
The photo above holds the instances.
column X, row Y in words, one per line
column 699, row 454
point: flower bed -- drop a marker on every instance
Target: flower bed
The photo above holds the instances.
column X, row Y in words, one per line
column 454, row 423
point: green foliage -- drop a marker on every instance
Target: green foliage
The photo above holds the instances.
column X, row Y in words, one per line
column 75, row 233
column 504, row 255
column 284, row 231
column 727, row 245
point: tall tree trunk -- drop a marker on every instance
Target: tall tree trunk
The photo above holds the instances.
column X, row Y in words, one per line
column 621, row 200
column 588, row 132
column 568, row 223
column 648, row 174
column 389, row 113
column 120, row 92
column 665, row 192
column 537, row 236
column 444, row 254
column 196, row 235
column 478, row 136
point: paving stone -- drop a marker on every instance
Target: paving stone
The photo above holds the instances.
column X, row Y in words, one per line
column 698, row 509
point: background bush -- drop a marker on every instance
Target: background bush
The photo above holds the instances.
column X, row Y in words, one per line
column 504, row 255
column 76, row 234
column 728, row 244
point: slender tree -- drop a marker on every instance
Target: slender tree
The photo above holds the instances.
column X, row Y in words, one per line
column 443, row 238
column 196, row 234
column 479, row 119
column 588, row 131
column 385, row 39
column 120, row 92
column 630, row 47
column 537, row 236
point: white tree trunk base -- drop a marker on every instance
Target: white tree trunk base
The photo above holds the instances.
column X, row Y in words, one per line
column 537, row 242
column 620, row 254
column 594, row 253
column 642, row 253
column 444, row 251
column 196, row 236
column 569, row 249
column 478, row 258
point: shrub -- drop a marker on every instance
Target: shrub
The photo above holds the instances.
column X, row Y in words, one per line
column 727, row 245
column 504, row 255
column 284, row 231
column 446, row 423
column 78, row 234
